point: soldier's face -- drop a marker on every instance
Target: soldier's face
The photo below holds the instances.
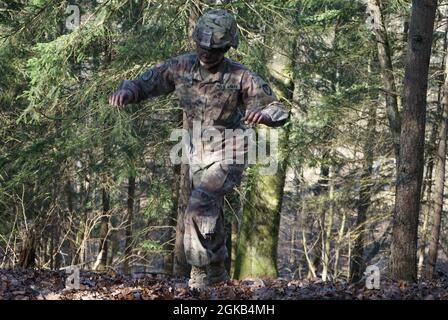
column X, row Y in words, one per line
column 210, row 57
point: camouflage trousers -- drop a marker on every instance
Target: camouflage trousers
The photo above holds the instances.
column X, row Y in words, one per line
column 205, row 237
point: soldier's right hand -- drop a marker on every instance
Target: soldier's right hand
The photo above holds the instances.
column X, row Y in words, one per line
column 120, row 98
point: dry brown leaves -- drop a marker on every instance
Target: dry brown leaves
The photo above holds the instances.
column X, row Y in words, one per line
column 22, row 284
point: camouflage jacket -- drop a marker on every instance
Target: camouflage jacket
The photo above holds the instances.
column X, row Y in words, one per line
column 218, row 100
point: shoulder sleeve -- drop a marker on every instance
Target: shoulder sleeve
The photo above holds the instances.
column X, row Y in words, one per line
column 154, row 82
column 258, row 95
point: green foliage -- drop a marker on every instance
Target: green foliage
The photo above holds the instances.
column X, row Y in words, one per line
column 151, row 246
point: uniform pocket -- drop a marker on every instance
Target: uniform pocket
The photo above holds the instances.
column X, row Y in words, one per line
column 213, row 178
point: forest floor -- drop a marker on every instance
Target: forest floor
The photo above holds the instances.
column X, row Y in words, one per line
column 50, row 285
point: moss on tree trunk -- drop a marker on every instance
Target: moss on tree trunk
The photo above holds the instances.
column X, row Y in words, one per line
column 257, row 247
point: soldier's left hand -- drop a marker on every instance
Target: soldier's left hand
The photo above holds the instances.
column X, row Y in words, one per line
column 256, row 117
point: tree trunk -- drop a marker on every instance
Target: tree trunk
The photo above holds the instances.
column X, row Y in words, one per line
column 437, row 202
column 257, row 247
column 258, row 239
column 376, row 22
column 101, row 261
column 329, row 226
column 432, row 151
column 237, row 211
column 339, row 245
column 412, row 139
column 113, row 247
column 357, row 252
column 232, row 206
column 167, row 238
column 301, row 212
column 27, row 256
column 70, row 207
column 180, row 265
column 426, row 190
column 234, row 244
column 129, row 221
column 315, row 257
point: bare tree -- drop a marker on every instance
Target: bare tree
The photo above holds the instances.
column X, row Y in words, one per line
column 412, row 139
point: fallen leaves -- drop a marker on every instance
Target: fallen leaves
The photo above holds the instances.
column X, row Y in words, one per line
column 19, row 284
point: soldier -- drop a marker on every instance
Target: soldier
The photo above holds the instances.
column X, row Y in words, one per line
column 218, row 93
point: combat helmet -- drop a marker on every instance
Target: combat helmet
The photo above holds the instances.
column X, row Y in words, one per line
column 216, row 28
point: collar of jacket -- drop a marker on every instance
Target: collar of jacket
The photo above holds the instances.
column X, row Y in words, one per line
column 211, row 77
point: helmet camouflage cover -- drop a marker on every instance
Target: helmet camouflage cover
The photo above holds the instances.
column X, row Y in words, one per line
column 216, row 29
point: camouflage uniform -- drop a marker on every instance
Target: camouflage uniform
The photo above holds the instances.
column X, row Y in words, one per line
column 216, row 101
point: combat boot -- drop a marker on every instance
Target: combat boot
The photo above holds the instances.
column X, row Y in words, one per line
column 198, row 278
column 216, row 273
